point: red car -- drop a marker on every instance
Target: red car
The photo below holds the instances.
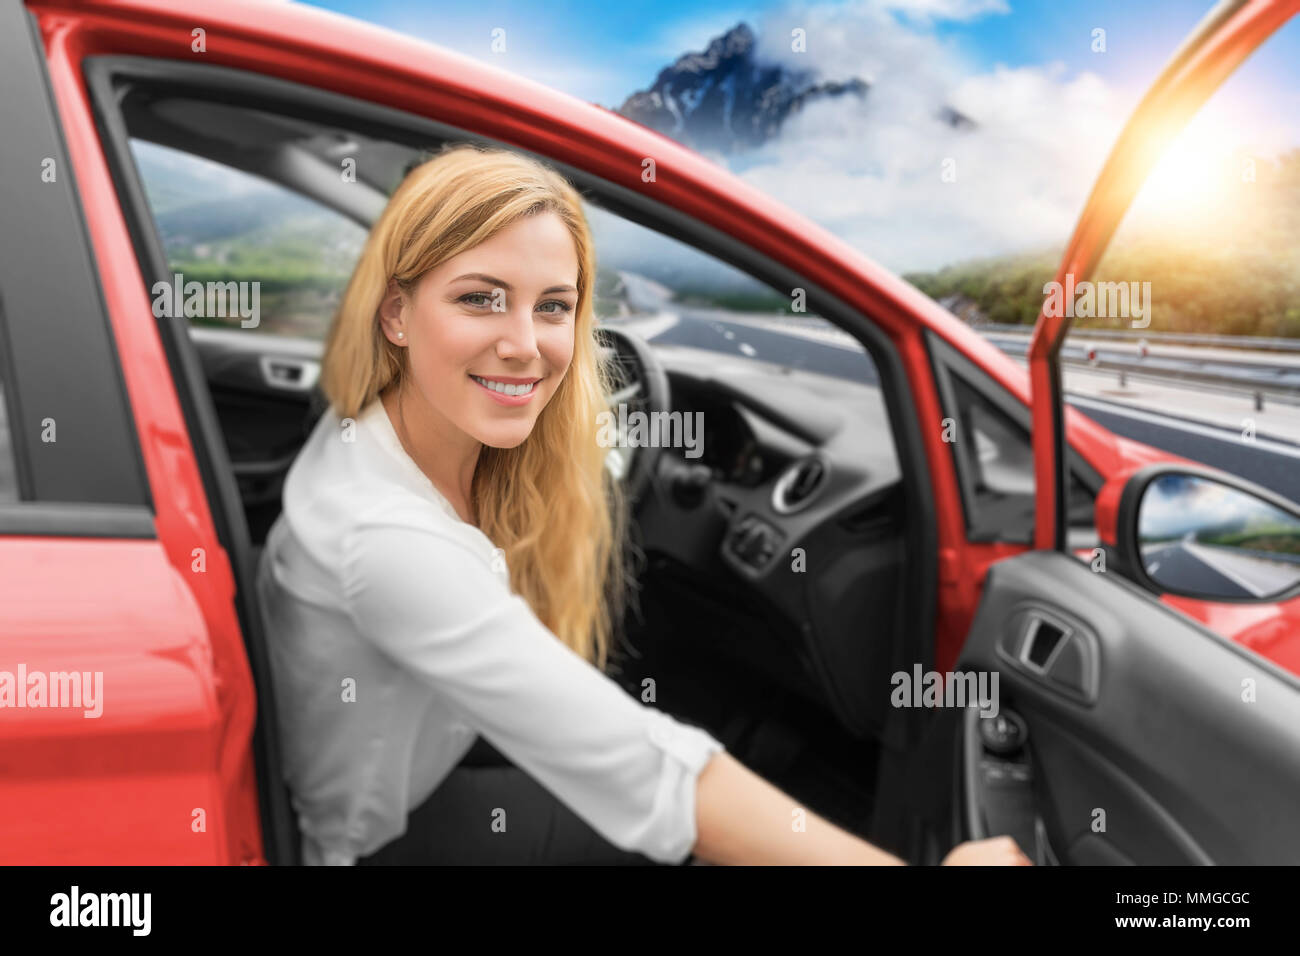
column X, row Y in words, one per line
column 834, row 537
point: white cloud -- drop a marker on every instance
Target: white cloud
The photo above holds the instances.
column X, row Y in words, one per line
column 961, row 10
column 871, row 170
column 1177, row 504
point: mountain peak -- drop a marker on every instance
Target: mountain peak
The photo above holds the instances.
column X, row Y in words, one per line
column 725, row 100
column 738, row 41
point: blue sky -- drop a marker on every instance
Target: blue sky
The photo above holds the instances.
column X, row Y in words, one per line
column 603, row 51
column 1047, row 107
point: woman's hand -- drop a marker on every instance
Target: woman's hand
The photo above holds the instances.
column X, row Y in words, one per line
column 995, row 851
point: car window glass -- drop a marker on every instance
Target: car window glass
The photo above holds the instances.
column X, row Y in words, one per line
column 678, row 295
column 288, row 256
column 994, row 455
column 224, row 226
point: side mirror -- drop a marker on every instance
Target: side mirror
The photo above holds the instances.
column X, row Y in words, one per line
column 1204, row 534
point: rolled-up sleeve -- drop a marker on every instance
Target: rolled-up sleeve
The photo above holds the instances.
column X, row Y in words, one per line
column 435, row 606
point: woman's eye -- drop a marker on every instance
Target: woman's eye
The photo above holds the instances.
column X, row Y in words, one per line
column 564, row 307
column 482, row 300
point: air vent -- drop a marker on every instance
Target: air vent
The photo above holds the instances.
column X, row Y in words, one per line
column 796, row 488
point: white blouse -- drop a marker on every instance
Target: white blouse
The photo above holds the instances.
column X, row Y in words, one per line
column 395, row 640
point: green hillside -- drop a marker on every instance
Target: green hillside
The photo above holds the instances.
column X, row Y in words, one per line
column 1241, row 277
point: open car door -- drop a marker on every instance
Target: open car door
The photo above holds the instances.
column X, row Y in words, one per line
column 1125, row 732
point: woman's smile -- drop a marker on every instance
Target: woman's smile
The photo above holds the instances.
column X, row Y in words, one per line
column 507, row 390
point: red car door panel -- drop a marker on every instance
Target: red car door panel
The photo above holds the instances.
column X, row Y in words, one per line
column 110, row 563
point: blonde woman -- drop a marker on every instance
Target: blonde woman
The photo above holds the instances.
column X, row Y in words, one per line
column 442, row 567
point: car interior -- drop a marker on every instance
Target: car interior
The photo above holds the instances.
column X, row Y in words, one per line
column 791, row 671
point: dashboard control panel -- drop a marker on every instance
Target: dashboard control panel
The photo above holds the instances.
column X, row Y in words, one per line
column 754, row 542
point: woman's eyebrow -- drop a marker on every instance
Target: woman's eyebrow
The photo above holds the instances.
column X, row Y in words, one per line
column 501, row 283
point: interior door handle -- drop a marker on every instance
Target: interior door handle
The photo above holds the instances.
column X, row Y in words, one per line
column 1044, row 642
column 293, row 374
column 1054, row 652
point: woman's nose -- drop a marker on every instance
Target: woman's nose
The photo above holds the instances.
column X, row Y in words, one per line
column 519, row 338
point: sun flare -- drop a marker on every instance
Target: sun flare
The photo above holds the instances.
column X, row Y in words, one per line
column 1205, row 176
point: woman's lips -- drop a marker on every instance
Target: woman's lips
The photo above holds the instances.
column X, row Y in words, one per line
column 502, row 398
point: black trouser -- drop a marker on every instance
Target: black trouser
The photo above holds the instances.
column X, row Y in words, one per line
column 454, row 826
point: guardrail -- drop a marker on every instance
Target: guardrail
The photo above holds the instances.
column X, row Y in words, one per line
column 1223, row 375
column 1215, row 382
column 1168, row 338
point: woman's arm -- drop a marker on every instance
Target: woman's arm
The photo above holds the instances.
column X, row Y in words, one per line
column 435, row 606
column 743, row 819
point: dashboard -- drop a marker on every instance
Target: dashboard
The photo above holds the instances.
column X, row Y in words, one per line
column 784, row 527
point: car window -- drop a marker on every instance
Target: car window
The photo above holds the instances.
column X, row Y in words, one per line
column 230, row 227
column 223, row 226
column 289, row 257
column 66, row 428
column 988, row 431
column 1001, row 461
column 279, row 259
column 674, row 294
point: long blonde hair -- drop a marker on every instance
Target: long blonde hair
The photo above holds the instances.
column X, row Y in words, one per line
column 550, row 503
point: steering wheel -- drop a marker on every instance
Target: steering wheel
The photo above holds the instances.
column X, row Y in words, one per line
column 641, row 388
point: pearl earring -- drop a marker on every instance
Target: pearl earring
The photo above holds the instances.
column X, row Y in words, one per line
column 401, row 335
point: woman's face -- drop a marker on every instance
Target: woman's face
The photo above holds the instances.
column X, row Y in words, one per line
column 490, row 331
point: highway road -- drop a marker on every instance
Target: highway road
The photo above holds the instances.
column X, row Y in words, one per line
column 1175, row 565
column 1217, row 571
column 1273, row 464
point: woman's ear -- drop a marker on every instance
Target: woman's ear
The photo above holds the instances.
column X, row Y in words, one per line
column 390, row 314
